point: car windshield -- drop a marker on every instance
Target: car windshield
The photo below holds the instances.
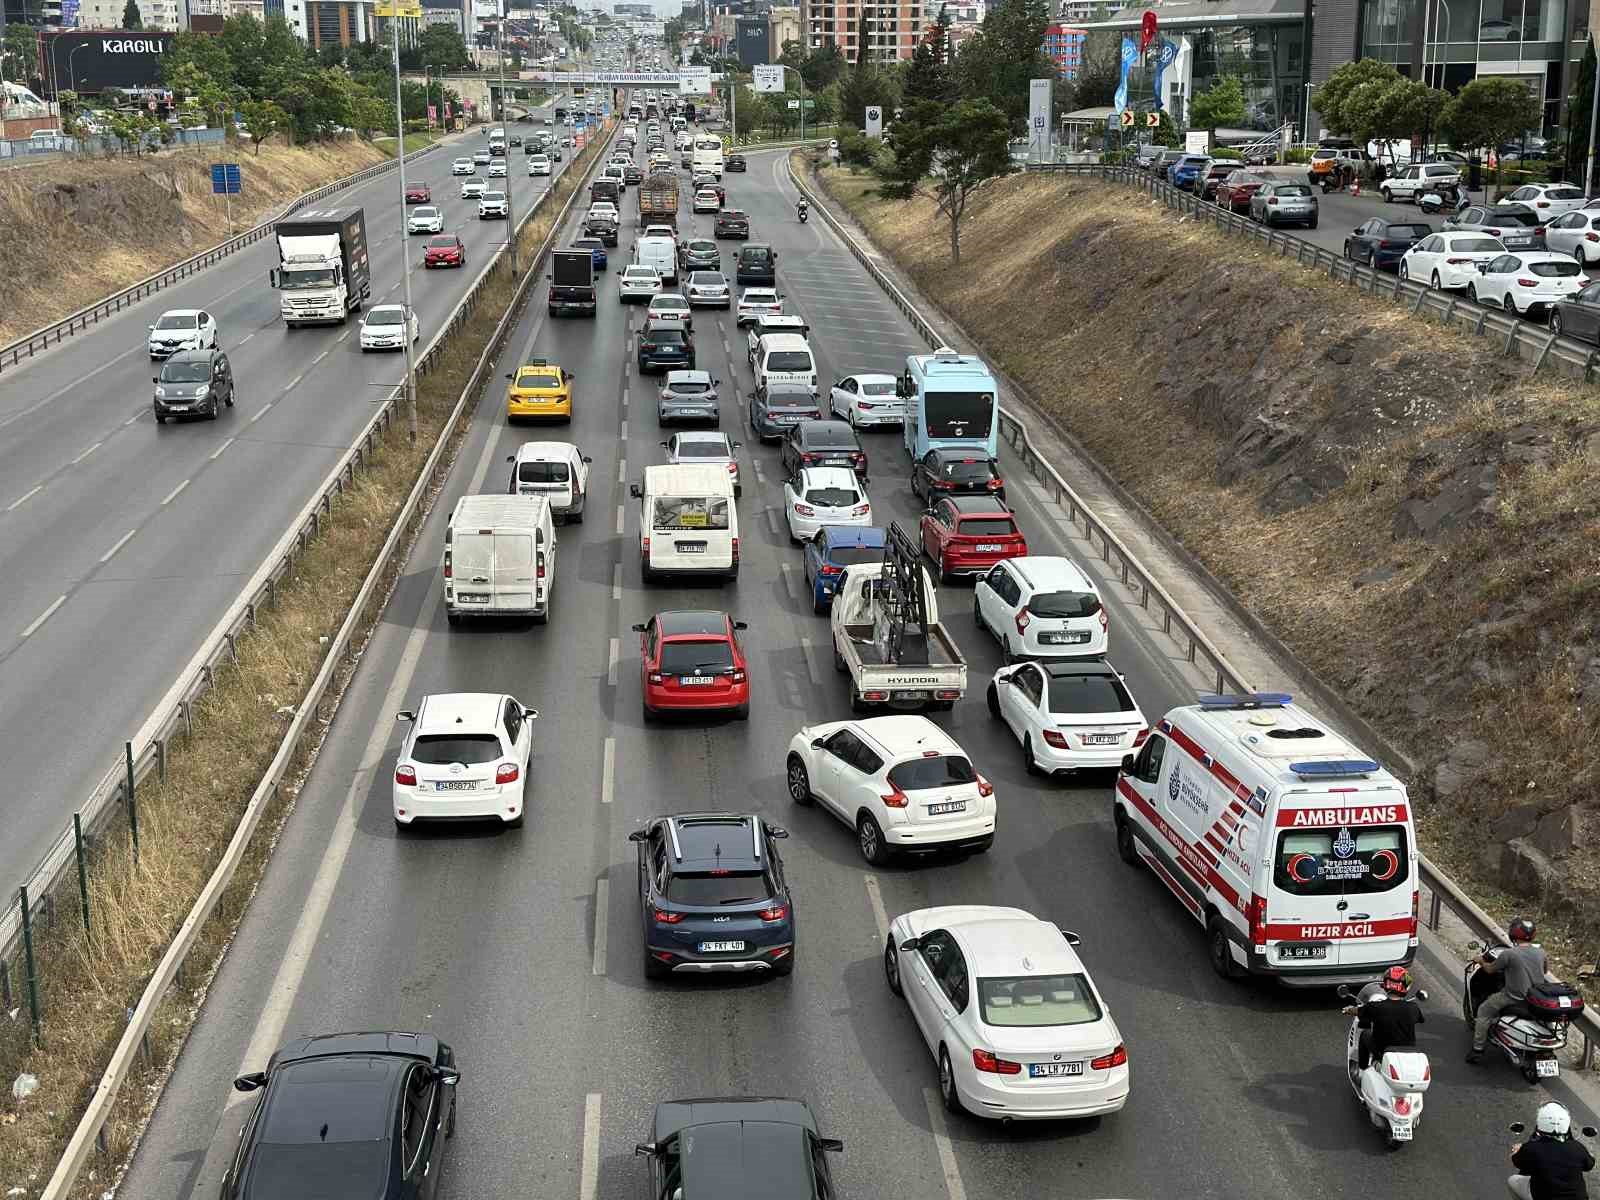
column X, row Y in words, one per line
column 726, row 887
column 178, row 321
column 443, row 242
column 441, row 749
column 684, row 658
column 702, row 450
column 1331, row 862
column 185, row 372
column 986, row 527
column 789, row 360
column 1088, row 694
column 1064, row 604
column 760, row 298
column 384, row 316
column 730, row 214
column 690, row 512
column 292, row 279
column 1555, row 269
column 1038, row 1000
column 543, row 472
column 932, row 771
column 831, row 497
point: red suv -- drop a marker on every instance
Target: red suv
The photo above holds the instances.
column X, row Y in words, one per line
column 691, row 660
column 966, row 535
column 444, row 250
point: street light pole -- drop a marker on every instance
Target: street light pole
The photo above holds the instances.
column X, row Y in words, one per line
column 511, row 211
column 405, row 254
column 1594, row 113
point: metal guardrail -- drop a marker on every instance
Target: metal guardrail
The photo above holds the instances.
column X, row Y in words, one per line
column 1442, row 892
column 69, row 326
column 307, row 716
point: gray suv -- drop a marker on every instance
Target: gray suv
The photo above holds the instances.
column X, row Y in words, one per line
column 688, row 396
column 193, row 383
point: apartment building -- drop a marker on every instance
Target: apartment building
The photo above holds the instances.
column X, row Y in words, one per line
column 892, row 27
column 1063, row 44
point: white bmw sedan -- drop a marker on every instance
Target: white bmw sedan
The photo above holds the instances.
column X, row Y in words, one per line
column 1011, row 1018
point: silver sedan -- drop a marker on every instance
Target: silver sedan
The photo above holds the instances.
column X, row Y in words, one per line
column 708, row 288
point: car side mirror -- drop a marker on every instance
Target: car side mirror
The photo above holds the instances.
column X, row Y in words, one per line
column 911, row 944
column 1422, row 993
column 1072, row 938
column 155, row 379
column 1590, row 1131
column 149, row 326
column 640, row 626
column 405, row 716
column 638, row 835
column 741, row 625
column 250, row 1082
column 648, row 1148
column 816, row 743
column 665, row 445
column 636, row 491
column 587, row 459
column 830, row 1145
column 1127, row 764
column 511, row 458
column 508, row 374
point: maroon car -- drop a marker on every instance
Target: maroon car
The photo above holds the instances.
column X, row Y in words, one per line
column 418, row 193
column 1234, row 192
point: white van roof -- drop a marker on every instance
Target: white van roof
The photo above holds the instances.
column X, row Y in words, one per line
column 498, row 511
column 785, row 341
column 546, row 452
column 1280, row 739
column 681, row 479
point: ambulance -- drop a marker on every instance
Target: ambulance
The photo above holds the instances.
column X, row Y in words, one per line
column 1294, row 851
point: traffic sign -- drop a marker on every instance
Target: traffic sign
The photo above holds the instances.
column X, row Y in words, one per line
column 225, row 179
column 1152, row 120
column 1127, row 118
column 794, row 104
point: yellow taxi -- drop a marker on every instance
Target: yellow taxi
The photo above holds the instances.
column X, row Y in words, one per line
column 539, row 389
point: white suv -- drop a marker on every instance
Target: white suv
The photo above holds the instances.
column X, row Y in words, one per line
column 1041, row 606
column 466, row 754
column 492, row 204
column 900, row 782
column 1417, row 178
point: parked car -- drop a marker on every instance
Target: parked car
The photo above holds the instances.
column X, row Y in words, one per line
column 1547, row 200
column 1281, row 203
column 1578, row 315
column 1577, row 234
column 1381, row 243
column 1214, row 174
column 1450, row 259
column 1411, row 181
column 1516, row 225
column 1186, row 172
column 1527, row 284
column 1234, row 192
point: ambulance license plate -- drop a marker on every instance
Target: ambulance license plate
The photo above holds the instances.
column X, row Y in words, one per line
column 1303, row 950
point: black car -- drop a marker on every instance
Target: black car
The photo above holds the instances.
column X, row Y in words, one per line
column 193, row 383
column 956, row 472
column 757, row 263
column 1516, row 225
column 1578, row 316
column 712, row 892
column 731, row 223
column 713, row 1148
column 699, row 254
column 823, row 444
column 1381, row 243
column 514, row 140
column 665, row 348
column 347, row 1114
column 1213, row 175
column 775, row 408
column 734, row 162
column 632, row 174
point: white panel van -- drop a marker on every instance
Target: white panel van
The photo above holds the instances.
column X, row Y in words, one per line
column 688, row 524
column 499, row 558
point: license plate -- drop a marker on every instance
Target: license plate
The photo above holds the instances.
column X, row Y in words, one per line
column 1400, row 1131
column 836, row 462
column 691, row 547
column 989, row 547
column 696, row 680
column 1101, row 739
column 1063, row 639
column 455, row 785
column 719, row 947
column 787, row 420
column 1547, row 1068
column 947, row 806
column 473, row 597
column 1303, row 950
column 1054, row 1070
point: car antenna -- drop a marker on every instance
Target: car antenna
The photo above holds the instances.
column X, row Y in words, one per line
column 324, row 1134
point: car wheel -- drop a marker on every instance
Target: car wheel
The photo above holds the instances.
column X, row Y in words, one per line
column 891, row 966
column 1405, row 272
column 450, row 1125
column 1372, row 259
column 1555, row 326
column 1217, row 949
column 1126, row 850
column 948, row 1092
column 817, row 606
column 1347, row 253
column 785, row 965
column 1435, row 280
column 742, row 713
column 1472, row 292
column 1311, row 224
column 1511, row 305
column 1388, row 196
column 1028, row 763
column 652, row 968
column 799, row 781
column 870, row 838
column 993, row 698
column 944, row 575
column 838, row 661
column 160, row 420
column 215, row 410
column 977, row 611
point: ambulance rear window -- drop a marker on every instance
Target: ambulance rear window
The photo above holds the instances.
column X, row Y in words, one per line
column 1346, row 861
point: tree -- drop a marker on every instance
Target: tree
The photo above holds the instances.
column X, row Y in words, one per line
column 823, row 67
column 1577, row 147
column 443, row 49
column 1221, row 106
column 130, row 15
column 262, row 119
column 1489, row 112
column 19, row 52
column 862, row 88
column 1332, row 99
column 928, row 76
column 1006, row 53
column 946, row 153
column 1095, row 85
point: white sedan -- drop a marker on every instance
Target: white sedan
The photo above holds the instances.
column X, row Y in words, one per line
column 1015, row 1025
column 473, row 189
column 638, row 283
column 758, row 302
column 1577, row 234
column 425, row 219
column 670, row 306
column 1449, row 260
column 706, row 201
column 708, row 288
column 867, row 400
column 463, row 166
column 1527, row 283
column 1067, row 716
column 497, row 169
column 384, row 328
column 466, row 754
column 539, row 164
column 901, row 782
column 820, row 496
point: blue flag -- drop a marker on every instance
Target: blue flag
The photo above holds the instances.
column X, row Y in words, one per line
column 1169, row 51
column 1130, row 55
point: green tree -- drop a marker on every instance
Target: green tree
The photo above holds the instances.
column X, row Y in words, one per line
column 1095, row 85
column 262, row 119
column 443, row 49
column 130, row 15
column 1489, row 112
column 1006, row 53
column 823, row 67
column 1221, row 106
column 1333, row 100
column 928, row 76
column 946, row 153
column 1577, row 142
column 199, row 52
column 19, row 51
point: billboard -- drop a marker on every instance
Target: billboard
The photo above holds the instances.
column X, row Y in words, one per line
column 694, row 81
column 752, row 41
column 90, row 63
column 767, row 77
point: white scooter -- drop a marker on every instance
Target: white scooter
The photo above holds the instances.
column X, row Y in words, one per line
column 1391, row 1090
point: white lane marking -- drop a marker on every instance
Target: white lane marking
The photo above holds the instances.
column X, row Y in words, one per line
column 879, row 914
column 295, row 382
column 760, row 478
column 616, row 582
column 86, row 453
column 121, row 542
column 245, row 338
column 608, row 771
column 611, row 666
column 173, row 494
column 589, row 1165
column 25, row 497
column 941, row 1141
column 811, row 661
column 624, row 430
column 619, row 520
column 342, row 336
column 264, row 409
column 788, row 581
column 217, row 453
column 772, row 520
column 44, row 616
column 602, row 890
column 130, row 420
column 622, row 470
column 322, row 356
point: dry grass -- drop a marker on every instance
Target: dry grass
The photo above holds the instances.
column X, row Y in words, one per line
column 75, row 231
column 1156, row 340
column 187, row 819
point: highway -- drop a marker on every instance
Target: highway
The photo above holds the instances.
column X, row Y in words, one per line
column 124, row 541
column 522, row 949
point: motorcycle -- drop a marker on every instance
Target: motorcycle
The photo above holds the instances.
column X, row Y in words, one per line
column 1389, row 1090
column 1530, row 1032
column 801, row 212
column 1440, row 199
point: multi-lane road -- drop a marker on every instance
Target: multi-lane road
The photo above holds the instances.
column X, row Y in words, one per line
column 522, row 948
column 125, row 541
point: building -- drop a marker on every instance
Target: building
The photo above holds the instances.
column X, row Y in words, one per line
column 753, row 40
column 892, row 27
column 446, row 12
column 1076, row 12
column 1064, row 45
column 785, row 27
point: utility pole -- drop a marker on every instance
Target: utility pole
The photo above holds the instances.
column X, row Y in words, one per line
column 405, row 254
column 1594, row 114
column 511, row 212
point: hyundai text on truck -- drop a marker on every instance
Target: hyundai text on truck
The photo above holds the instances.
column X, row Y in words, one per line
column 323, row 271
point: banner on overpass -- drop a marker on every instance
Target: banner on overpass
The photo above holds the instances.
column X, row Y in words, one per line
column 669, row 79
column 695, row 81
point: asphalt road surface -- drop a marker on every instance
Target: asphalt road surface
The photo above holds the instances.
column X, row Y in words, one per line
column 523, row 948
column 124, row 542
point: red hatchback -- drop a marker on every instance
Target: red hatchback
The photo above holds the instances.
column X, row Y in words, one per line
column 418, row 193
column 444, row 250
column 966, row 535
column 1234, row 192
column 691, row 660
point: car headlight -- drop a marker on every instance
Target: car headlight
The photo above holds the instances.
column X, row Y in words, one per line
column 161, row 393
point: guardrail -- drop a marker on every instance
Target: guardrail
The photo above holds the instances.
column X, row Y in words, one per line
column 308, row 714
column 69, row 326
column 1442, row 892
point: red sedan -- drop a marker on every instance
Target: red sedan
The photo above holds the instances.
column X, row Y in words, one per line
column 445, row 250
column 1234, row 192
column 691, row 660
column 418, row 193
column 966, row 535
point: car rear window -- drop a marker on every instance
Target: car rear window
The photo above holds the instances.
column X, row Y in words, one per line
column 1291, row 189
column 987, row 527
column 1342, row 861
column 543, row 472
column 692, row 387
column 830, row 497
column 1088, row 694
column 1512, row 217
column 1064, row 604
column 1554, row 270
column 690, row 512
column 186, row 372
column 965, row 470
column 1565, row 193
column 933, row 771
column 732, row 887
column 444, row 748
column 786, row 400
column 684, row 658
column 849, row 556
column 1038, row 1000
column 789, row 360
column 877, row 389
column 1476, row 246
column 702, row 450
column 1408, row 231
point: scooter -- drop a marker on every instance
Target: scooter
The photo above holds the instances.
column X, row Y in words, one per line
column 802, row 214
column 1439, row 201
column 1528, row 1033
column 1389, row 1090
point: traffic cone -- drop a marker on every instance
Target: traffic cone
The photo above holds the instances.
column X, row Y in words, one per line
column 1355, row 186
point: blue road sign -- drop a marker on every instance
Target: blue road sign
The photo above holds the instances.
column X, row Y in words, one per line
column 225, row 179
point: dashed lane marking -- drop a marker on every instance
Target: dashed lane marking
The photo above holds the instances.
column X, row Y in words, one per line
column 43, row 617
column 173, row 494
column 121, row 542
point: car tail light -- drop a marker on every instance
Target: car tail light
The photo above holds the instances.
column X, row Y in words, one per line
column 1414, row 900
column 830, row 569
column 993, row 1064
column 1105, row 621
column 943, row 483
column 540, row 570
column 405, row 775
column 806, row 456
column 668, row 918
column 507, row 772
column 875, row 697
column 776, row 912
column 947, row 694
column 861, row 510
column 1527, row 283
column 1541, row 204
column 805, row 510
column 1054, row 737
column 1591, row 236
column 1459, row 262
column 733, row 468
column 864, row 405
column 895, row 798
column 1272, row 199
column 1388, row 245
column 1258, row 920
column 985, row 788
column 1117, row 1058
column 735, row 549
column 1141, row 737
column 447, row 564
column 995, row 483
column 1024, row 619
column 645, row 546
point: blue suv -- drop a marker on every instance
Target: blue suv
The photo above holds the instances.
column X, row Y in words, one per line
column 1186, row 172
column 831, row 550
column 712, row 895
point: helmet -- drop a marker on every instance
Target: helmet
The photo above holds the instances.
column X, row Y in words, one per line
column 1521, row 930
column 1396, row 981
column 1554, row 1120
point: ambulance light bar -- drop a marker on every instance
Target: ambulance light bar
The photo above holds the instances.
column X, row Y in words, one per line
column 1252, row 700
column 1335, row 768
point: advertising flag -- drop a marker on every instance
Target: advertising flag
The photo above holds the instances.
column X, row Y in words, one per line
column 1164, row 58
column 1130, row 55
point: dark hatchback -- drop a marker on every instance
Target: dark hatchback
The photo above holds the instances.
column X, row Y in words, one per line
column 1381, row 243
column 347, row 1114
column 731, row 223
column 193, row 383
column 757, row 263
column 777, row 407
column 663, row 348
column 735, row 163
column 831, row 550
column 723, row 1147
column 712, row 895
column 823, row 444
column 953, row 472
column 632, row 174
column 1578, row 316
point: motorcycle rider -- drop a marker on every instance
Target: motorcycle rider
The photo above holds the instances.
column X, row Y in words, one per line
column 1390, row 1023
column 1519, row 966
column 1551, row 1164
column 801, row 208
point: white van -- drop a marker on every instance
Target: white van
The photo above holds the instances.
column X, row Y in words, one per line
column 660, row 253
column 688, row 524
column 1295, row 851
column 499, row 558
column 785, row 358
column 558, row 471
